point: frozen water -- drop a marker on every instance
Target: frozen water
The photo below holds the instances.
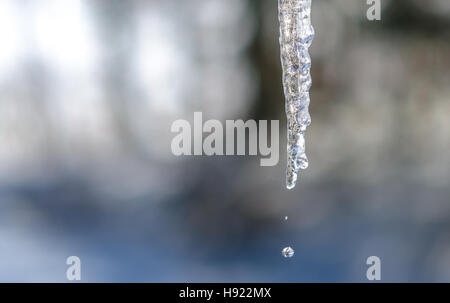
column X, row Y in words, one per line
column 287, row 252
column 296, row 36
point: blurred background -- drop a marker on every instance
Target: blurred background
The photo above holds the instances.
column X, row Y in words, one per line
column 89, row 90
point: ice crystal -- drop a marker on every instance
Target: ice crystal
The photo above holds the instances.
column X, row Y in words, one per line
column 296, row 35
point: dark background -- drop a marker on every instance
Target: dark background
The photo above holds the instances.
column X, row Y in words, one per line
column 89, row 90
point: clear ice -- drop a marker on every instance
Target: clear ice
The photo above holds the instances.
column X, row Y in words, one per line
column 287, row 252
column 296, row 35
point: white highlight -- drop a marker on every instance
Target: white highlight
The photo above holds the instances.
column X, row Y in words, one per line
column 9, row 35
column 63, row 35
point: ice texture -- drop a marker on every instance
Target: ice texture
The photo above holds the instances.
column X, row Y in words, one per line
column 296, row 35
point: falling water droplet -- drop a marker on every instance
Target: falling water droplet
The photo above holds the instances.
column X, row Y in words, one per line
column 287, row 252
column 285, row 218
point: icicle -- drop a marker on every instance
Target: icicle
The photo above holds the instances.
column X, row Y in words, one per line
column 296, row 35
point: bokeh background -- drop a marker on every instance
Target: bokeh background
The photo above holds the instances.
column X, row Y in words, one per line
column 89, row 90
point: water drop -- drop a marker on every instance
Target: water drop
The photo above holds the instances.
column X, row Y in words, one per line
column 285, row 218
column 287, row 252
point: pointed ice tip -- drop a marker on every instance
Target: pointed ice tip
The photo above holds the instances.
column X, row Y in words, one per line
column 291, row 179
column 290, row 185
